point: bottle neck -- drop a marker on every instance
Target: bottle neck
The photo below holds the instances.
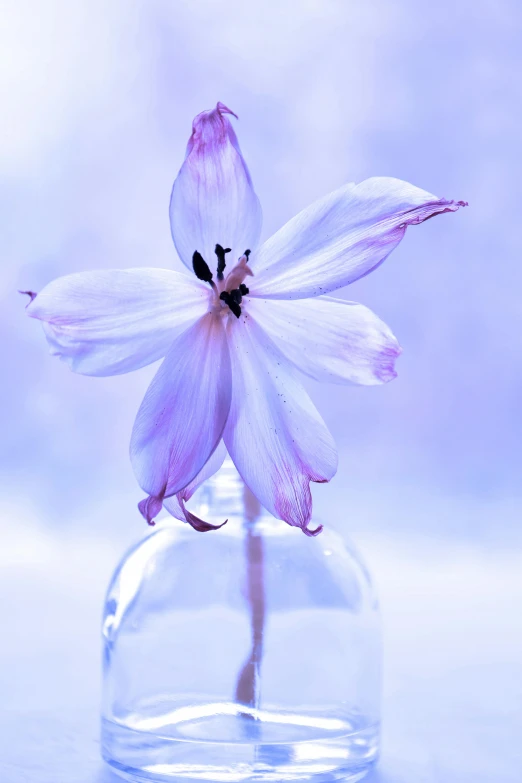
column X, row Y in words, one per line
column 222, row 494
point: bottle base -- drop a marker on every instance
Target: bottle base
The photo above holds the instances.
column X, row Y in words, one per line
column 234, row 744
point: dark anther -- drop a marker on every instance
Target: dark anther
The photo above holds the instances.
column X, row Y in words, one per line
column 235, row 295
column 201, row 268
column 247, row 253
column 235, row 308
column 244, row 290
column 220, row 252
column 229, row 300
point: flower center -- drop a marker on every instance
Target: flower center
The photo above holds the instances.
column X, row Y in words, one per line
column 231, row 289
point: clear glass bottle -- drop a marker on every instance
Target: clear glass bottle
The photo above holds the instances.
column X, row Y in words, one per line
column 249, row 653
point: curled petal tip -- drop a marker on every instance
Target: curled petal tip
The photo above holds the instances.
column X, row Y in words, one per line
column 31, row 294
column 212, row 127
column 199, row 524
column 312, row 533
column 452, row 203
column 150, row 507
column 442, row 206
column 222, row 109
column 175, row 505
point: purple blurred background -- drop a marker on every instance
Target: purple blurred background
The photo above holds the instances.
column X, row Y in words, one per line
column 97, row 101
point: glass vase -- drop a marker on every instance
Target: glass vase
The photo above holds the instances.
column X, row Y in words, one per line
column 248, row 653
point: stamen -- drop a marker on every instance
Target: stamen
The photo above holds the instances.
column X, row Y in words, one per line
column 244, row 290
column 229, row 300
column 220, row 252
column 201, row 268
column 238, row 274
column 247, row 253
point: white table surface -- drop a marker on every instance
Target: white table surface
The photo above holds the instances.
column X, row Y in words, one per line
column 453, row 664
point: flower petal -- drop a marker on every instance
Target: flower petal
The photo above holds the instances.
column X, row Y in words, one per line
column 181, row 419
column 330, row 340
column 175, row 505
column 109, row 322
column 213, row 200
column 274, row 434
column 341, row 237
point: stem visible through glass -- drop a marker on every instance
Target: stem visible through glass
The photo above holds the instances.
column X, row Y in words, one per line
column 248, row 683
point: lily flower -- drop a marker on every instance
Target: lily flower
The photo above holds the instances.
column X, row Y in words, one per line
column 237, row 330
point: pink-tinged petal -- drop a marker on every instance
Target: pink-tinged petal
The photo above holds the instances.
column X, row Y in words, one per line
column 330, row 340
column 149, row 508
column 109, row 322
column 175, row 505
column 341, row 237
column 199, row 524
column 213, row 200
column 181, row 419
column 274, row 434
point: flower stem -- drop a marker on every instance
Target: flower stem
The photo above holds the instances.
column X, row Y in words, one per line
column 248, row 683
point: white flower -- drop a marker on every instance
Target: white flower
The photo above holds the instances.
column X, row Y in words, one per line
column 236, row 330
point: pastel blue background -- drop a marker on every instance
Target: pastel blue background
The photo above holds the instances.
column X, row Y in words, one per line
column 97, row 100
